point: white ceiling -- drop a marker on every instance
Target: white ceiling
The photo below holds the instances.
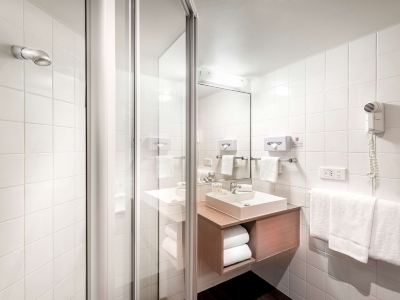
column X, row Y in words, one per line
column 251, row 37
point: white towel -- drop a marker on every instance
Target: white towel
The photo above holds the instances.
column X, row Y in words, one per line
column 174, row 231
column 385, row 239
column 227, row 164
column 236, row 254
column 319, row 213
column 269, row 168
column 170, row 246
column 350, row 224
column 165, row 166
column 235, row 236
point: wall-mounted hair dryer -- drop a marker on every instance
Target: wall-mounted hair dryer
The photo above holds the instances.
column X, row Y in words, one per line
column 375, row 117
column 375, row 123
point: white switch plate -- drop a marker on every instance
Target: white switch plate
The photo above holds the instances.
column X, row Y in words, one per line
column 332, row 173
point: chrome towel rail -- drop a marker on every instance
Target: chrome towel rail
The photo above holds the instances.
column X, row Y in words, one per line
column 236, row 157
column 290, row 160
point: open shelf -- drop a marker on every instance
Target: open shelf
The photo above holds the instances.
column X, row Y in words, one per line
column 238, row 265
column 270, row 235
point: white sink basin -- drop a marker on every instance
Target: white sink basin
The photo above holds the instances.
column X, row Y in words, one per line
column 245, row 205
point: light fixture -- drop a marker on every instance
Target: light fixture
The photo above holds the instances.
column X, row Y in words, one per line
column 222, row 80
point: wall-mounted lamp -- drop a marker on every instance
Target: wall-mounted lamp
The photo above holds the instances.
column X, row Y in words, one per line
column 223, row 80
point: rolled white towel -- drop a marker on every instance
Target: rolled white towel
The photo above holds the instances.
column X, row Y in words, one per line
column 173, row 231
column 170, row 246
column 236, row 254
column 235, row 236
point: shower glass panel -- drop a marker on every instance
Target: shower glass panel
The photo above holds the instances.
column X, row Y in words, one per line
column 42, row 150
column 161, row 163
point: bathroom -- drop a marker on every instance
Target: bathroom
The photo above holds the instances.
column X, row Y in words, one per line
column 197, row 149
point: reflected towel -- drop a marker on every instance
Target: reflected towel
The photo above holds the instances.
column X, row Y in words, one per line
column 236, row 254
column 269, row 168
column 170, row 246
column 385, row 239
column 235, row 236
column 319, row 213
column 350, row 224
column 227, row 165
column 174, row 231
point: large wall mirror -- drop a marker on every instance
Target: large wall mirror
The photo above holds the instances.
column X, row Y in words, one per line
column 224, row 134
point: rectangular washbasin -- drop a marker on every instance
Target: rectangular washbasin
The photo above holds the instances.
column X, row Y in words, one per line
column 245, row 205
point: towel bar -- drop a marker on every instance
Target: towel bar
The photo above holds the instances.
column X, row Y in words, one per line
column 290, row 160
column 236, row 157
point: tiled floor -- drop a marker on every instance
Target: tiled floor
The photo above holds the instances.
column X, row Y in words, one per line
column 247, row 286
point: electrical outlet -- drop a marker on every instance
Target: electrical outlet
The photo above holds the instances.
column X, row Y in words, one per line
column 332, row 173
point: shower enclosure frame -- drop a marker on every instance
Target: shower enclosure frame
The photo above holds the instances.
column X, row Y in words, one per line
column 190, row 253
column 100, row 104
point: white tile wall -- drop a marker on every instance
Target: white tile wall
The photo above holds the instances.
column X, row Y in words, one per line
column 336, row 84
column 42, row 158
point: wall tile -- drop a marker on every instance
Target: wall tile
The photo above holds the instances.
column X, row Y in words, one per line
column 11, row 170
column 38, row 138
column 15, row 291
column 63, row 114
column 11, row 70
column 388, row 39
column 38, row 254
column 11, row 235
column 11, row 268
column 12, row 137
column 337, row 67
column 38, row 196
column 38, row 109
column 11, row 104
column 64, row 139
column 12, row 11
column 389, row 89
column 38, row 225
column 39, row 282
column 11, row 203
column 389, row 64
column 38, row 167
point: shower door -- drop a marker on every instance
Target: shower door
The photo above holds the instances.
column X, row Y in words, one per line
column 164, row 199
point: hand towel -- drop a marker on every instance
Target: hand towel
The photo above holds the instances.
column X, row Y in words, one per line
column 227, row 164
column 235, row 236
column 174, row 231
column 269, row 168
column 319, row 213
column 385, row 239
column 236, row 254
column 245, row 187
column 350, row 224
column 170, row 246
column 165, row 166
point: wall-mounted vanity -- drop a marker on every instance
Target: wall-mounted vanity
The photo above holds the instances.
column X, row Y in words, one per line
column 273, row 225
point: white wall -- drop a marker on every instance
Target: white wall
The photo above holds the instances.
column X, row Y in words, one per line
column 42, row 158
column 320, row 100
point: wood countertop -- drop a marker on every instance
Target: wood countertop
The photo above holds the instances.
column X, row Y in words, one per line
column 222, row 220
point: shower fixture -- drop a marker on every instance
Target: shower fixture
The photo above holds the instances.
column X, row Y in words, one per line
column 39, row 57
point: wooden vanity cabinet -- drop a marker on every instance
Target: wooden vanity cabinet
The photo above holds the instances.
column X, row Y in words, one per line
column 270, row 234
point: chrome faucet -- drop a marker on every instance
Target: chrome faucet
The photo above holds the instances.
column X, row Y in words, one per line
column 234, row 187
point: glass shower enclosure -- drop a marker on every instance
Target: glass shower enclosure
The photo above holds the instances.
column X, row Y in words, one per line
column 165, row 211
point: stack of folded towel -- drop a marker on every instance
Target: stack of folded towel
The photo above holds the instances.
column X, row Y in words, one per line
column 173, row 238
column 235, row 245
column 359, row 226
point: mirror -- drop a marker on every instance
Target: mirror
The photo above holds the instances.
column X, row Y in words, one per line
column 223, row 134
